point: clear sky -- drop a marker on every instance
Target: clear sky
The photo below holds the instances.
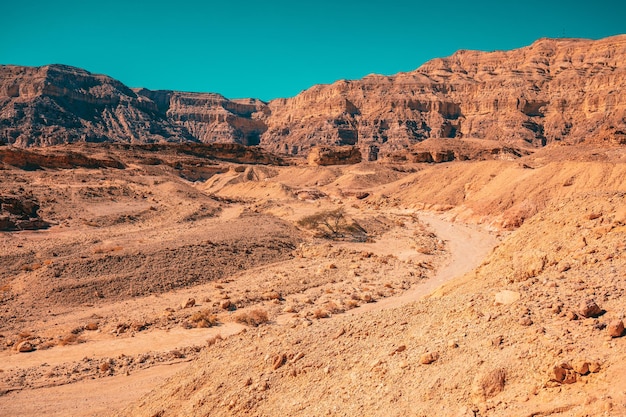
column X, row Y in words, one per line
column 276, row 48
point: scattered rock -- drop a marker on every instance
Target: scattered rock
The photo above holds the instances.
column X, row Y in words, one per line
column 589, row 308
column 525, row 321
column 563, row 374
column 279, row 360
column 226, row 305
column 189, row 303
column 25, row 346
column 580, row 366
column 429, row 357
column 616, row 328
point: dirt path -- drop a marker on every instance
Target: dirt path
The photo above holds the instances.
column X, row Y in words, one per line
column 468, row 245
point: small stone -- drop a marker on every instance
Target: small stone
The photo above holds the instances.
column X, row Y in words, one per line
column 616, row 328
column 399, row 349
column 506, row 297
column 570, row 315
column 525, row 321
column 589, row 308
column 452, row 344
column 428, row 358
column 226, row 305
column 580, row 366
column 25, row 346
column 594, row 367
column 563, row 374
column 189, row 303
column 279, row 360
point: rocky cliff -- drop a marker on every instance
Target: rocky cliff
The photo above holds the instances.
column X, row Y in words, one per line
column 566, row 90
column 554, row 90
column 60, row 104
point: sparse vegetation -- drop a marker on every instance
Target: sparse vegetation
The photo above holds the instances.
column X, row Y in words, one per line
column 70, row 339
column 333, row 224
column 204, row 318
column 253, row 318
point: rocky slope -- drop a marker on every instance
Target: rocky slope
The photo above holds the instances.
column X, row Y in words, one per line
column 565, row 90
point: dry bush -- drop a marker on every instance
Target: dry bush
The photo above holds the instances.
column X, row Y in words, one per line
column 253, row 318
column 333, row 308
column 204, row 318
column 70, row 339
column 333, row 224
column 320, row 313
column 46, row 345
column 92, row 326
column 107, row 249
column 213, row 339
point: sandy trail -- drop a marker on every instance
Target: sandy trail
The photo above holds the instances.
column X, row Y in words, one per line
column 468, row 245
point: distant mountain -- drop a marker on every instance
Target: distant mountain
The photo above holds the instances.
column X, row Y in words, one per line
column 556, row 90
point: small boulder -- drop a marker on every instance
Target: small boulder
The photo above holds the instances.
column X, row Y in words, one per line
column 589, row 308
column 563, row 374
column 580, row 366
column 25, row 346
column 189, row 303
column 616, row 328
column 428, row 358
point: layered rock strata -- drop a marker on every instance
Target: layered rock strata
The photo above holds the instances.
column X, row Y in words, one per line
column 556, row 90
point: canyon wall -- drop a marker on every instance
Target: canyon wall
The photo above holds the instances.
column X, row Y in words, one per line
column 556, row 90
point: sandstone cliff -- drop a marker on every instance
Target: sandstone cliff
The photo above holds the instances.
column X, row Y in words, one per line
column 556, row 90
column 60, row 104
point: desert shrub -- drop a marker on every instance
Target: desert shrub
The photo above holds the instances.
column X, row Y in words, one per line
column 70, row 339
column 253, row 318
column 204, row 318
column 320, row 313
column 213, row 339
column 333, row 224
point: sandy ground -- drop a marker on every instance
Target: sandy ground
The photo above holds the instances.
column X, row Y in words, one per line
column 116, row 294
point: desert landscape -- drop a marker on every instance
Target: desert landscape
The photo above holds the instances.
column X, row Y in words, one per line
column 449, row 241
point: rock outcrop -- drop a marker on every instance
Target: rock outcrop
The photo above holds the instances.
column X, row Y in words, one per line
column 556, row 90
column 334, row 155
column 20, row 212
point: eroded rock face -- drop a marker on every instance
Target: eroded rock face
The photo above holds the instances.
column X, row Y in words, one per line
column 556, row 90
column 59, row 104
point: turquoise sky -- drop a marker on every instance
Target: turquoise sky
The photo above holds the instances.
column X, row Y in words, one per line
column 269, row 49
